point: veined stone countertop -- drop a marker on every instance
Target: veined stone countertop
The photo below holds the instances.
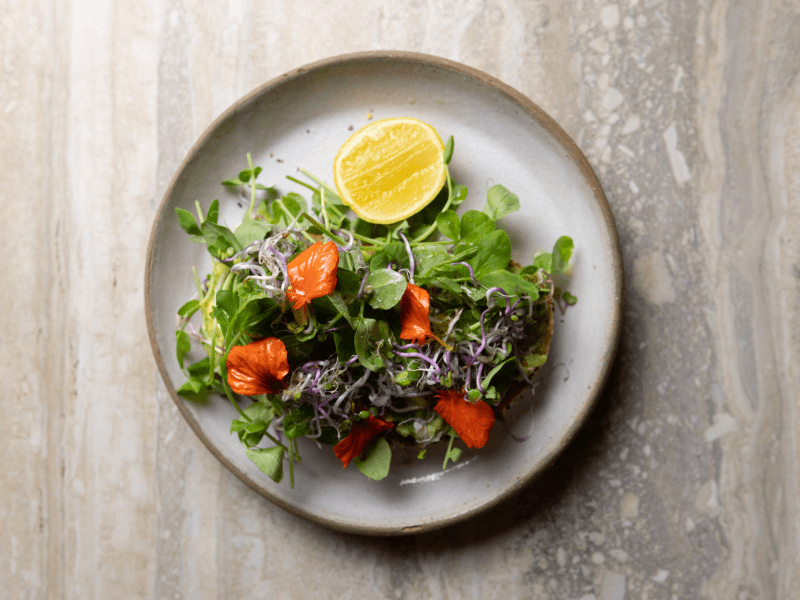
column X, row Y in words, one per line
column 684, row 484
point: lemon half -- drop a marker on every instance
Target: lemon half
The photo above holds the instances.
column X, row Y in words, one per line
column 390, row 169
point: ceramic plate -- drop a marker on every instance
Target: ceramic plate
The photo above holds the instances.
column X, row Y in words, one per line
column 300, row 120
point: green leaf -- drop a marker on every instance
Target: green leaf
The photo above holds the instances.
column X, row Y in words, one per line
column 430, row 256
column 296, row 424
column 341, row 306
column 287, row 208
column 510, row 282
column 182, row 345
column 189, row 308
column 569, row 298
column 493, row 254
column 487, row 380
column 448, row 150
column 449, row 224
column 213, row 212
column 260, row 412
column 544, row 261
column 377, row 460
column 367, row 341
column 187, row 221
column 500, row 202
column 194, row 390
column 345, row 344
column 475, row 224
column 219, row 239
column 233, row 183
column 227, row 301
column 459, row 195
column 562, row 252
column 388, row 287
column 269, row 461
column 252, row 230
column 347, row 282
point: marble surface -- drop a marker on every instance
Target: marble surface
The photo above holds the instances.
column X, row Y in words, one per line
column 683, row 484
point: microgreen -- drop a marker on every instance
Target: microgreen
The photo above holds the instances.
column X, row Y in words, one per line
column 367, row 364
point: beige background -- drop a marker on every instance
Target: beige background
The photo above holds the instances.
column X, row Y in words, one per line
column 683, row 485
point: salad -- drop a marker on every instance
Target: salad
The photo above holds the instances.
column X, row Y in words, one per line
column 317, row 323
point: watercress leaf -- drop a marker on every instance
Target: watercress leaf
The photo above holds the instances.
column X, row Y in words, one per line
column 459, row 195
column 347, row 282
column 227, row 301
column 487, row 380
column 340, row 305
column 475, row 224
column 269, row 461
column 234, row 183
column 182, row 345
column 252, row 230
column 500, row 202
column 221, row 317
column 569, row 298
column 448, row 150
column 296, row 423
column 388, row 287
column 449, row 224
column 376, row 459
column 493, row 254
column 511, row 283
column 213, row 212
column 245, row 175
column 544, row 261
column 430, row 256
column 200, row 368
column 255, row 427
column 447, row 284
column 194, row 390
column 219, row 237
column 187, row 221
column 345, row 344
column 562, row 252
column 189, row 308
column 394, row 252
column 367, row 340
column 260, row 412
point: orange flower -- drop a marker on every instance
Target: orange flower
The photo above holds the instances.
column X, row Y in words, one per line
column 472, row 421
column 414, row 322
column 258, row 367
column 415, row 325
column 361, row 433
column 312, row 273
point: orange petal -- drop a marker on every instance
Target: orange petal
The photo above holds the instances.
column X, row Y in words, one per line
column 414, row 321
column 258, row 367
column 312, row 273
column 361, row 433
column 472, row 421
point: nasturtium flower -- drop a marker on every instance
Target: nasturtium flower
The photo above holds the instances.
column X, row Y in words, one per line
column 415, row 325
column 312, row 273
column 472, row 421
column 361, row 434
column 258, row 367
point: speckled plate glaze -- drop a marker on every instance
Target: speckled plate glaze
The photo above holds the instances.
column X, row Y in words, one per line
column 300, row 119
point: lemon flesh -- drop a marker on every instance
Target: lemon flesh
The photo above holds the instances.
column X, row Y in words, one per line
column 390, row 169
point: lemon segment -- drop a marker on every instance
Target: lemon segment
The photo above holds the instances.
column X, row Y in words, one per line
column 390, row 169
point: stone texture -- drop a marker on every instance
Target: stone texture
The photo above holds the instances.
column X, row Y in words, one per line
column 684, row 482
